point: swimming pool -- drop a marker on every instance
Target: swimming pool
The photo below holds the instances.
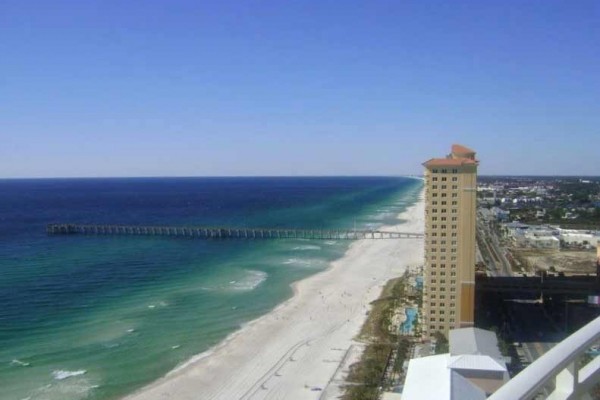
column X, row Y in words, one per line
column 406, row 328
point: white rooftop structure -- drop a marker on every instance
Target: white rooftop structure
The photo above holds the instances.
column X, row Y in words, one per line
column 433, row 378
column 472, row 370
column 474, row 341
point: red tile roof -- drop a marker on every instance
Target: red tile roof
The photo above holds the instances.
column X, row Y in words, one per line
column 449, row 162
column 460, row 149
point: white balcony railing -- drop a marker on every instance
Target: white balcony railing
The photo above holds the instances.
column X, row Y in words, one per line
column 562, row 365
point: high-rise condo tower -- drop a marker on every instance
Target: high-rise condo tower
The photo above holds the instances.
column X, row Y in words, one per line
column 450, row 214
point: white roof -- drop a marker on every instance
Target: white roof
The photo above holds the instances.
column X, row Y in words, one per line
column 474, row 341
column 475, row 362
column 463, row 389
column 431, row 378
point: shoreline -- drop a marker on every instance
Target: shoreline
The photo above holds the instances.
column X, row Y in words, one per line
column 294, row 350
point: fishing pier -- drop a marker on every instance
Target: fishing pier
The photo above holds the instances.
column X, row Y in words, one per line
column 227, row 233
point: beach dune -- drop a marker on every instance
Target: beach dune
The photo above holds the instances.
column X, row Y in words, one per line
column 294, row 351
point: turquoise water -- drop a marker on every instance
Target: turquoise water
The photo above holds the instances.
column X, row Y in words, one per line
column 98, row 317
column 406, row 328
column 419, row 282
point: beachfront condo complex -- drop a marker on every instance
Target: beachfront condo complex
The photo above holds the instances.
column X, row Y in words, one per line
column 450, row 213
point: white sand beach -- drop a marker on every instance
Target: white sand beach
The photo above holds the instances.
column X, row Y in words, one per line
column 294, row 351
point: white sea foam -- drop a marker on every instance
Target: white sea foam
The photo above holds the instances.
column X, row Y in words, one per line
column 250, row 281
column 19, row 363
column 307, row 247
column 330, row 242
column 67, row 385
column 60, row 374
column 304, row 262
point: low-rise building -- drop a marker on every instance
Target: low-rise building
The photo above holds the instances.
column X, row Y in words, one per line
column 573, row 237
column 472, row 370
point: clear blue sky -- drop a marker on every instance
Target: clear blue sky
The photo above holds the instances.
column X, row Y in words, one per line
column 186, row 88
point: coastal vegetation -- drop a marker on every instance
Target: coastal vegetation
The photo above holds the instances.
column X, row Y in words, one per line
column 385, row 349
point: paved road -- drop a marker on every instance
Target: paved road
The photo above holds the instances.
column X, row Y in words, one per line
column 492, row 252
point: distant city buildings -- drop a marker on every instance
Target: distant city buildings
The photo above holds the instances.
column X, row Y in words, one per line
column 450, row 214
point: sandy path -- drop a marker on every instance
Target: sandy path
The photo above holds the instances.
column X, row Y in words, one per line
column 293, row 351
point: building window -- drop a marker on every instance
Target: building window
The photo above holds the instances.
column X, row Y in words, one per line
column 434, row 171
column 444, row 171
column 454, row 171
column 454, row 202
column 454, row 187
column 454, row 218
column 444, row 179
column 454, row 179
column 434, row 178
column 443, row 186
column 453, row 195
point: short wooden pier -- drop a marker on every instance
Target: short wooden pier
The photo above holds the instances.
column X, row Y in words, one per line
column 227, row 233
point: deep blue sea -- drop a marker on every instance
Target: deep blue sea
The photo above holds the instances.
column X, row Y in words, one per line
column 96, row 317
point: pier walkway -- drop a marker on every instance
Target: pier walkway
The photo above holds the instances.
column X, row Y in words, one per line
column 227, row 233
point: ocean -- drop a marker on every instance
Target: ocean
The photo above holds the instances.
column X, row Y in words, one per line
column 97, row 317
